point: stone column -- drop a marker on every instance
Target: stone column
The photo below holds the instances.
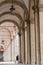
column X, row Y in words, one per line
column 11, row 51
column 25, row 46
column 19, row 33
column 28, row 42
column 22, row 45
column 28, row 45
column 11, row 48
column 37, row 32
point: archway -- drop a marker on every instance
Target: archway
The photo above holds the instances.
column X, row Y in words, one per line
column 15, row 14
column 12, row 41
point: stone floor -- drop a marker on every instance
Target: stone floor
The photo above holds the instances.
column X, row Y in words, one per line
column 9, row 63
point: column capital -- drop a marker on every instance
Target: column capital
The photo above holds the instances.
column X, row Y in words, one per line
column 35, row 8
column 22, row 29
column 19, row 33
column 27, row 20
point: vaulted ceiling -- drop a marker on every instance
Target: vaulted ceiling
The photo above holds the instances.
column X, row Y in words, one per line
column 9, row 21
column 10, row 24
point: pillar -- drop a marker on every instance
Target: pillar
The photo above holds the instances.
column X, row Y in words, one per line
column 19, row 33
column 41, row 31
column 26, row 52
column 37, row 32
column 23, row 46
column 28, row 41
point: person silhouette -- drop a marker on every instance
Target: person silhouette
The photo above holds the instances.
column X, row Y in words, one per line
column 17, row 59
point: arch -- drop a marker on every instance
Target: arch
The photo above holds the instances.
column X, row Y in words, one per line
column 22, row 5
column 16, row 14
column 8, row 20
column 7, row 30
column 9, row 33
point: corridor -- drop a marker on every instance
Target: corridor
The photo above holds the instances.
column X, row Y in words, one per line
column 21, row 32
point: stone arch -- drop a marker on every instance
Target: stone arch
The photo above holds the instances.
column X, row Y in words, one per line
column 22, row 5
column 9, row 33
column 16, row 14
column 8, row 20
column 7, row 30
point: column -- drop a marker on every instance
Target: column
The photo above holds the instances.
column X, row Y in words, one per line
column 26, row 60
column 28, row 45
column 11, row 51
column 28, row 41
column 37, row 32
column 23, row 45
column 41, row 31
column 19, row 33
